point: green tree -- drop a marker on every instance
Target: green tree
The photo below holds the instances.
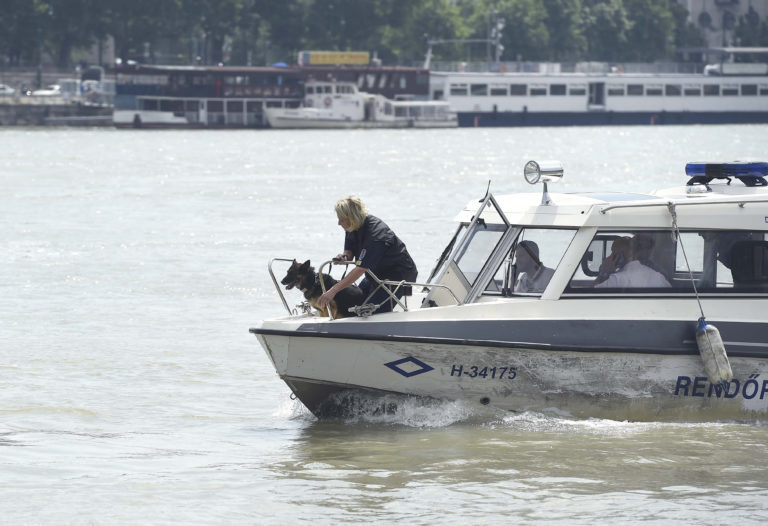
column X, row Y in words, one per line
column 752, row 31
column 566, row 30
column 607, row 26
column 137, row 24
column 21, row 30
column 651, row 34
column 686, row 33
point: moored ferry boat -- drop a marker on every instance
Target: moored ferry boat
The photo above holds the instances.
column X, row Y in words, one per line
column 585, row 304
column 150, row 96
column 341, row 105
column 552, row 99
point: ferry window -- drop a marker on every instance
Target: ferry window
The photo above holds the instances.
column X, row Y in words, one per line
column 763, row 89
column 692, row 91
column 498, row 89
column 479, row 89
column 215, row 106
column 173, row 105
column 148, row 104
column 458, row 89
column 192, row 105
column 635, row 89
column 749, row 89
column 672, row 90
column 538, row 89
column 403, row 82
column 655, row 261
column 530, row 263
column 235, row 106
column 730, row 90
column 654, row 90
column 518, row 89
column 476, row 252
column 615, row 90
column 310, row 90
column 557, row 89
column 577, row 90
column 383, row 81
column 711, row 90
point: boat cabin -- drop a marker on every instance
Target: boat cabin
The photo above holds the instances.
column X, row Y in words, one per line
column 709, row 238
column 343, row 100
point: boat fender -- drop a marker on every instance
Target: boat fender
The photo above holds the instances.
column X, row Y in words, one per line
column 713, row 353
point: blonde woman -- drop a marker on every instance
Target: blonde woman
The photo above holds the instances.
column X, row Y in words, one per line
column 372, row 245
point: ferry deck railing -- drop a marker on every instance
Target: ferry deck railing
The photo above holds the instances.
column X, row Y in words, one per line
column 365, row 309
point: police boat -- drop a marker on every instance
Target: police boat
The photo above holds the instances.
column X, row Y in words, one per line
column 610, row 305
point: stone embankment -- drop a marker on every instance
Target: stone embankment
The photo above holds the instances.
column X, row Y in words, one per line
column 52, row 113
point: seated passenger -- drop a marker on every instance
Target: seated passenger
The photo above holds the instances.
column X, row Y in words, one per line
column 628, row 266
column 532, row 275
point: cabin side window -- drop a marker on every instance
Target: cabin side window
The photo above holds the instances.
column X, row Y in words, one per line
column 458, row 89
column 518, row 90
column 643, row 261
column 577, row 90
column 531, row 262
column 557, row 89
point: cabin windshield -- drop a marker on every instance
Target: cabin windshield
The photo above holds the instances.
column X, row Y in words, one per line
column 655, row 261
column 530, row 262
column 491, row 257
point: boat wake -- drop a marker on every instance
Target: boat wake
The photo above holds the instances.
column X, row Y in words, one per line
column 364, row 407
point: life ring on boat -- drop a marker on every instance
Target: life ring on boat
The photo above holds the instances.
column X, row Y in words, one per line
column 327, row 101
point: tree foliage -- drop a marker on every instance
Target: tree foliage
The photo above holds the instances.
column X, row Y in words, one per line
column 265, row 31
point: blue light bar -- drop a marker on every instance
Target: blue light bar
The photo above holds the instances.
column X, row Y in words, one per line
column 750, row 173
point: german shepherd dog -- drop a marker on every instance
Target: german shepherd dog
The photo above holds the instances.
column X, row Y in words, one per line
column 303, row 277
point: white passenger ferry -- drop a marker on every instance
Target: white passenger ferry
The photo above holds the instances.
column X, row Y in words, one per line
column 554, row 99
column 575, row 333
column 342, row 105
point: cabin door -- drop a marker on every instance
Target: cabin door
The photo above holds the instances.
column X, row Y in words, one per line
column 596, row 95
column 203, row 112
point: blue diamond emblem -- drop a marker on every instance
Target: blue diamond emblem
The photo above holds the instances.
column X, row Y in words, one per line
column 409, row 366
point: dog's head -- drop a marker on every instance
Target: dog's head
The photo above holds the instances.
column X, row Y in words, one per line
column 296, row 274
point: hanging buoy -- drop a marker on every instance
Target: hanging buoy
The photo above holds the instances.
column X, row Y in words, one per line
column 713, row 353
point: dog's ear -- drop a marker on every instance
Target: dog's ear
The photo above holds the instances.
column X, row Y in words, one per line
column 305, row 265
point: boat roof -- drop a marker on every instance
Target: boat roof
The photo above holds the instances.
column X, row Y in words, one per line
column 723, row 206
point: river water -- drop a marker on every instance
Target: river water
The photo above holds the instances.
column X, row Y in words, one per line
column 133, row 263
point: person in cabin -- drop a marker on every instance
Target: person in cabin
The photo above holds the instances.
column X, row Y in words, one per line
column 629, row 265
column 532, row 275
column 372, row 245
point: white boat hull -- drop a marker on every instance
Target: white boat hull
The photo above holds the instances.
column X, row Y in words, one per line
column 295, row 119
column 584, row 382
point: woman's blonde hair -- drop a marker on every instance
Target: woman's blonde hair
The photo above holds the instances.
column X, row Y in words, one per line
column 353, row 210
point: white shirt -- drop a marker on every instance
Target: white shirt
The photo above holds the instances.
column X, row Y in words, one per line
column 634, row 275
column 536, row 283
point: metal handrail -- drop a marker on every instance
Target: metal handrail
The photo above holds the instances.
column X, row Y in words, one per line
column 726, row 200
column 382, row 285
column 277, row 285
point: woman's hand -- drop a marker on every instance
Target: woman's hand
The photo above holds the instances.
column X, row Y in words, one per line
column 326, row 298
